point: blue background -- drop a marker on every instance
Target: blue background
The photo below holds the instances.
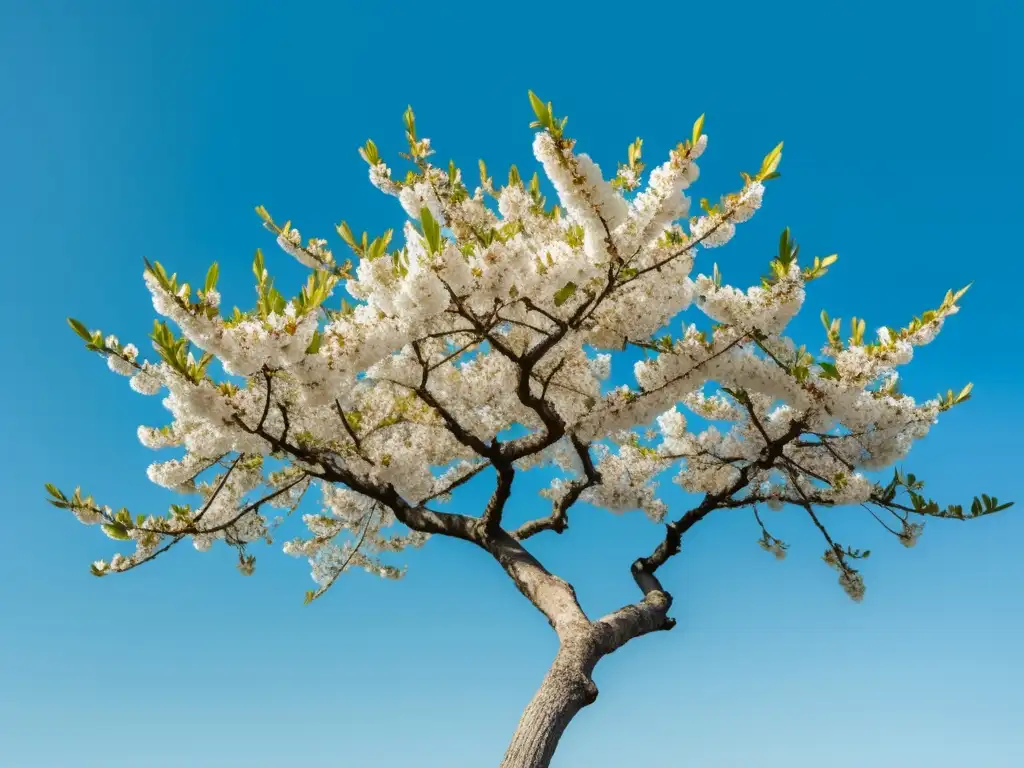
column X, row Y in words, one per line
column 143, row 128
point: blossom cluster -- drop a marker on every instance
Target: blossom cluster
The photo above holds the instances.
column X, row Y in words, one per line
column 488, row 309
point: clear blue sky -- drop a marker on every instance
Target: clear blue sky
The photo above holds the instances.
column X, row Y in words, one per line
column 143, row 128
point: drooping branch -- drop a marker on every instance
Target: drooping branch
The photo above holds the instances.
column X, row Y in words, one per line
column 180, row 535
column 344, row 566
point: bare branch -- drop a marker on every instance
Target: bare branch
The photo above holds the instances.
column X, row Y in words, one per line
column 464, row 479
column 496, row 504
column 558, row 520
column 351, row 432
column 635, row 620
column 352, row 554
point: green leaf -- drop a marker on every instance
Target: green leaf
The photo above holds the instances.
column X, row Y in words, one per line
column 346, row 234
column 211, row 278
column 257, row 265
column 539, row 108
column 380, row 245
column 829, row 371
column 770, row 162
column 564, row 293
column 431, row 230
column 80, row 329
column 635, row 151
column 369, row 152
column 116, row 531
column 410, row 122
column 698, row 128
column 785, row 247
column 959, row 294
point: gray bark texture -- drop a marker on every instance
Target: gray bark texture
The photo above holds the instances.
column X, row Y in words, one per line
column 567, row 688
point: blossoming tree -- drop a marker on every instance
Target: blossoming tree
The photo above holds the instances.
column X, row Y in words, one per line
column 493, row 314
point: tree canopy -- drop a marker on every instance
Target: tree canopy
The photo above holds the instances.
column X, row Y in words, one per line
column 501, row 310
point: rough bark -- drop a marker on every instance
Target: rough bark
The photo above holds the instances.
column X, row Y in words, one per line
column 567, row 688
column 552, row 596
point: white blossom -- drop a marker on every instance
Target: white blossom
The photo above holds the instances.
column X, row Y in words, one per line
column 405, row 394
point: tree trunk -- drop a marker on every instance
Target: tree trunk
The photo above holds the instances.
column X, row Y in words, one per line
column 567, row 688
